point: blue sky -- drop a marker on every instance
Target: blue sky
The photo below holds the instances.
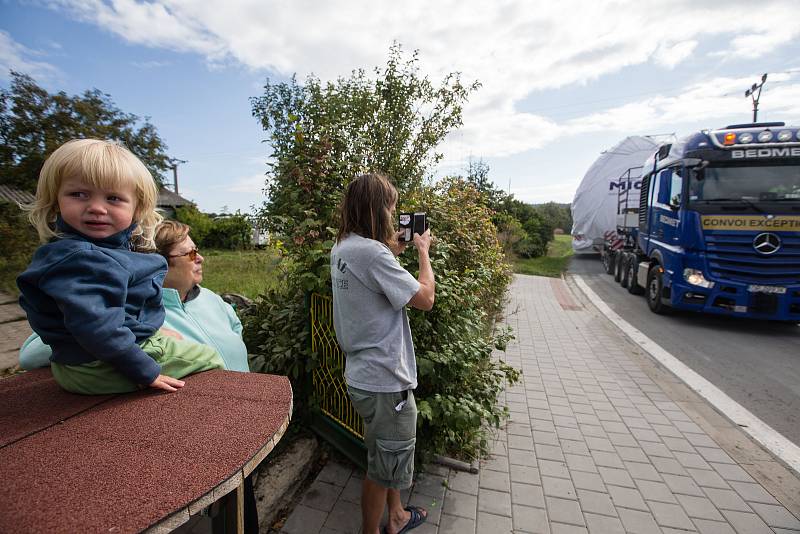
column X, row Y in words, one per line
column 561, row 81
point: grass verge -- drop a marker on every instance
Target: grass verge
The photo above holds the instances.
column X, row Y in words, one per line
column 247, row 272
column 559, row 251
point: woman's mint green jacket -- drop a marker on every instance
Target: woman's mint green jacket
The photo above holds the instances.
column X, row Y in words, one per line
column 204, row 318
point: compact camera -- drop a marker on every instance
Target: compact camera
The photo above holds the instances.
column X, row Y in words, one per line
column 412, row 223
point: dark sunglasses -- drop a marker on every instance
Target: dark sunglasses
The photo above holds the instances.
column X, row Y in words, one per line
column 192, row 254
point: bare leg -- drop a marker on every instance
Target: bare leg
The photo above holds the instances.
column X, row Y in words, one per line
column 398, row 517
column 373, row 499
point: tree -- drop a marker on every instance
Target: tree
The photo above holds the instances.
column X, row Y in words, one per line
column 33, row 123
column 523, row 229
column 324, row 135
column 558, row 215
column 478, row 176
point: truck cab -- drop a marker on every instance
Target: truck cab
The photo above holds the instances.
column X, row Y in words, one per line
column 719, row 223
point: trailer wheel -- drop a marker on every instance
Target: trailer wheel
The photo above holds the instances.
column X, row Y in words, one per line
column 655, row 288
column 608, row 261
column 623, row 280
column 618, row 266
column 633, row 283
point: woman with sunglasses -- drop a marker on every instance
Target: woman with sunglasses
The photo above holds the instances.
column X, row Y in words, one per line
column 195, row 313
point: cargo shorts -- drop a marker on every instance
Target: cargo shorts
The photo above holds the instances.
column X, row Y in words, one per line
column 390, row 435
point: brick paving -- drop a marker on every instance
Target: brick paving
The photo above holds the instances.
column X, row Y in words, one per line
column 593, row 445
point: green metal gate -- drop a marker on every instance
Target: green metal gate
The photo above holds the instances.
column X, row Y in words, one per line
column 335, row 419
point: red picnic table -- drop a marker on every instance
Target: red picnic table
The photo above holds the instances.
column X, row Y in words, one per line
column 134, row 462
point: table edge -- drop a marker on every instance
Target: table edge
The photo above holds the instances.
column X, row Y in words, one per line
column 178, row 518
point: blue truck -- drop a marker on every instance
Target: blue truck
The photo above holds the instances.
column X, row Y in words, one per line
column 716, row 228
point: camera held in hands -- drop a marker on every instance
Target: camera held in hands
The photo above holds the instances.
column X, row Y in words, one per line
column 412, row 223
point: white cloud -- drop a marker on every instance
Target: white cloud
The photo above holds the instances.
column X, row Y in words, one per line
column 670, row 55
column 14, row 56
column 709, row 101
column 248, row 184
column 513, row 47
column 562, row 191
column 155, row 24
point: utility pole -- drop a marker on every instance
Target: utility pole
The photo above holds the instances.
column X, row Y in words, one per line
column 752, row 94
column 174, row 162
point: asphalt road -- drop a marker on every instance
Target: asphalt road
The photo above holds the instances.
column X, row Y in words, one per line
column 756, row 363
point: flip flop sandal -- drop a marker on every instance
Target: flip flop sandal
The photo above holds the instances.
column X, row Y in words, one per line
column 417, row 518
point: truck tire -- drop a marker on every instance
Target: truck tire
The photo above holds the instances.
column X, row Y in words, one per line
column 655, row 288
column 623, row 279
column 608, row 261
column 618, row 258
column 633, row 283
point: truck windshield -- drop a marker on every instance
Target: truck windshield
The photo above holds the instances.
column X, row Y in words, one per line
column 751, row 183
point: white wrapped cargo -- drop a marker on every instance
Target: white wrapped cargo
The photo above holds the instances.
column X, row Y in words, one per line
column 594, row 208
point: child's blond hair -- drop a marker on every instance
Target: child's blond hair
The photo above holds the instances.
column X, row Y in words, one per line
column 102, row 164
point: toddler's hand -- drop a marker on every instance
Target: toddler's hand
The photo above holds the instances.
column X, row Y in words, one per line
column 170, row 333
column 167, row 383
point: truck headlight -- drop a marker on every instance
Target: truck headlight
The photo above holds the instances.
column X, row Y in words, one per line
column 696, row 278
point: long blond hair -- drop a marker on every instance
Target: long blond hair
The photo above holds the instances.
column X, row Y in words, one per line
column 102, row 164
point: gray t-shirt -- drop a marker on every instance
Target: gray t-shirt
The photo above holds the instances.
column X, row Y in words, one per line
column 370, row 293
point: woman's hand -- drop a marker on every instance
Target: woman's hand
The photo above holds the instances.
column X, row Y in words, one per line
column 423, row 242
column 167, row 383
column 170, row 333
column 398, row 247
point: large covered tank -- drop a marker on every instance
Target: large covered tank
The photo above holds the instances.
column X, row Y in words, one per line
column 594, row 208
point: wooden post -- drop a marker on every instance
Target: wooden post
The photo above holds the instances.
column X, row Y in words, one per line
column 232, row 511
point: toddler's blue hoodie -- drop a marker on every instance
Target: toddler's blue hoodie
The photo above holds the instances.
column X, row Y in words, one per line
column 95, row 299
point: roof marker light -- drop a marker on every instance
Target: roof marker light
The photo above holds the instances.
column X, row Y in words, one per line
column 765, row 136
column 784, row 135
column 730, row 138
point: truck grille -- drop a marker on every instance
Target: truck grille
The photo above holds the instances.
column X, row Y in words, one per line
column 731, row 256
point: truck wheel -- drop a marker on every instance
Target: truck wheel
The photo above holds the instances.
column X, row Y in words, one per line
column 618, row 257
column 633, row 283
column 608, row 261
column 623, row 279
column 655, row 288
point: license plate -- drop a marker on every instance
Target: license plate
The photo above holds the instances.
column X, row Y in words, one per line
column 767, row 289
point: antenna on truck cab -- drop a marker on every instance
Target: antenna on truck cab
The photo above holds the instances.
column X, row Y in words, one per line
column 752, row 93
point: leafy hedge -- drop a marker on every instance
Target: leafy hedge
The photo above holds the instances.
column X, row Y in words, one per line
column 458, row 381
column 322, row 136
column 19, row 241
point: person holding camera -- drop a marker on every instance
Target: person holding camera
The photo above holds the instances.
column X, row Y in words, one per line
column 370, row 293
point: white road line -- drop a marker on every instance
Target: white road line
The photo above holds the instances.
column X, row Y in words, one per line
column 785, row 450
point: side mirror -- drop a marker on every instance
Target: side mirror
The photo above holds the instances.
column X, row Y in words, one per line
column 699, row 172
column 675, row 203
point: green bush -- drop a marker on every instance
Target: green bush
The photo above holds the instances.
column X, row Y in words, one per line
column 231, row 232
column 322, row 136
column 458, row 380
column 19, row 241
column 200, row 222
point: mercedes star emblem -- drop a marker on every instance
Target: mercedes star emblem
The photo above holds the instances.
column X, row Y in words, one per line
column 767, row 243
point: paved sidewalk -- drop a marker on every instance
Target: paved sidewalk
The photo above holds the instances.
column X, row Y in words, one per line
column 14, row 329
column 594, row 445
